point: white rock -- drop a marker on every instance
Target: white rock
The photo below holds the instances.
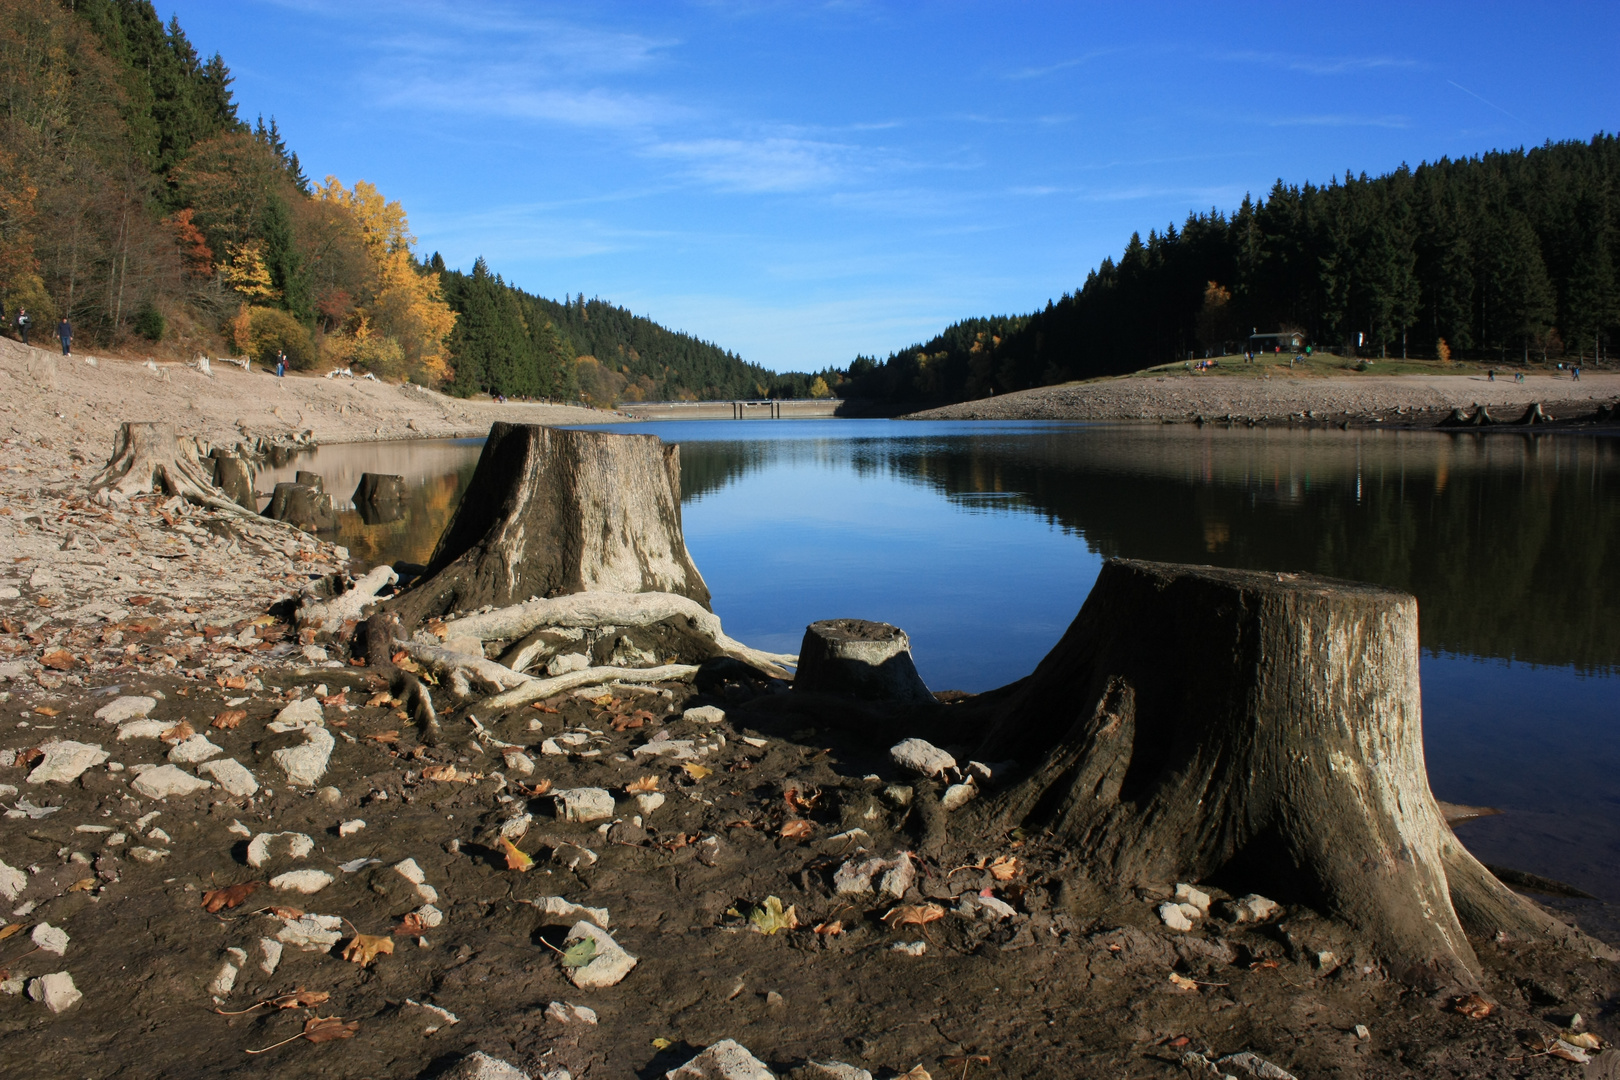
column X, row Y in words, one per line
column 518, row 763
column 56, row 991
column 910, row 948
column 12, row 881
column 65, row 761
column 306, row 764
column 1255, row 1066
column 166, row 780
column 51, row 939
column 705, row 714
column 557, row 907
column 304, row 881
column 566, row 662
column 1251, row 908
column 894, row 876
column 957, row 796
column 349, row 828
column 225, row 981
column 10, row 592
column 236, row 828
column 194, row 750
column 1186, row 894
column 921, row 756
column 311, row 933
column 833, row 1070
column 568, row 1013
column 674, row 749
column 120, row 709
column 440, row 1018
column 973, row 905
column 430, row 915
column 583, row 804
column 269, row 955
column 142, row 729
column 411, row 872
column 158, row 836
column 480, row 1066
column 725, row 1060
column 148, row 855
column 303, row 713
column 294, row 845
column 610, row 964
column 648, row 801
column 231, row 775
column 1176, row 917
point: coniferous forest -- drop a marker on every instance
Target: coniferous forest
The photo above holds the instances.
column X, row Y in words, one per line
column 1504, row 257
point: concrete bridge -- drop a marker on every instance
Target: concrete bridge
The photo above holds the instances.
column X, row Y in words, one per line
column 774, row 409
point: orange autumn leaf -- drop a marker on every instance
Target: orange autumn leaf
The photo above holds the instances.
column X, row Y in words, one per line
column 445, row 773
column 1004, row 867
column 799, row 802
column 229, row 719
column 14, row 928
column 285, row 912
column 385, row 737
column 319, row 1030
column 913, row 915
column 1474, row 1007
column 59, row 659
column 645, row 783
column 411, row 924
column 797, row 829
column 364, row 949
column 381, row 698
column 515, row 859
column 696, row 771
column 179, row 733
column 215, row 900
column 300, row 999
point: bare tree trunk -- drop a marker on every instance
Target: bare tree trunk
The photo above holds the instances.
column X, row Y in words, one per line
column 550, row 512
column 1262, row 732
column 149, row 456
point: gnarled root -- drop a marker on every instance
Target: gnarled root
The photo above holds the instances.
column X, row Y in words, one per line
column 149, row 456
column 329, row 616
column 539, row 689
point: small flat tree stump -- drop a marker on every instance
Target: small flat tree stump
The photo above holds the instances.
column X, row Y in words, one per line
column 860, row 659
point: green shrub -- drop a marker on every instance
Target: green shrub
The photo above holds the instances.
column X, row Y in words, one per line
column 271, row 329
column 150, row 323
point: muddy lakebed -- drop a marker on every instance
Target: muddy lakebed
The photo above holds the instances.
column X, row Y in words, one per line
column 982, row 542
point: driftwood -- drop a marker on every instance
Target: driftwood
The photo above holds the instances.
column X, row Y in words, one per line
column 539, row 689
column 550, row 512
column 148, row 456
column 1261, row 732
column 329, row 616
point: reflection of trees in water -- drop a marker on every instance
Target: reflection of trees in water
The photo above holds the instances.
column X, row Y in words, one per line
column 413, row 537
column 1511, row 544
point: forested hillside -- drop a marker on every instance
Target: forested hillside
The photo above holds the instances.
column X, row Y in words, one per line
column 136, row 202
column 1508, row 256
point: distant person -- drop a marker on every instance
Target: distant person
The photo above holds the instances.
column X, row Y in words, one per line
column 1518, row 376
column 1490, row 376
column 23, row 322
column 64, row 334
column 281, row 364
column 1575, row 373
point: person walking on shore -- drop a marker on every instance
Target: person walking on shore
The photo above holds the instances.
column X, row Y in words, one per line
column 64, row 332
column 22, row 323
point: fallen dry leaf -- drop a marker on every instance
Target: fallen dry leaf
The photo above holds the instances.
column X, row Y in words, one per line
column 365, row 948
column 229, row 719
column 300, row 999
column 339, row 698
column 541, row 787
column 385, row 737
column 1474, row 1007
column 516, row 859
column 1182, row 982
column 830, row 929
column 445, row 773
column 285, row 912
column 82, row 885
column 319, row 1030
column 381, row 699
column 235, row 682
column 14, row 928
column 913, row 915
column 1004, row 867
column 645, row 783
column 59, row 659
column 541, row 706
column 797, row 829
column 696, row 771
column 411, row 924
column 215, row 900
column 918, row 1073
column 179, row 733
column 632, row 720
column 770, row 918
column 1583, row 1039
column 604, row 701
column 45, row 710
column 801, row 803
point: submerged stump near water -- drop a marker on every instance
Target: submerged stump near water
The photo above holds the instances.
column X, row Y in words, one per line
column 1257, row 730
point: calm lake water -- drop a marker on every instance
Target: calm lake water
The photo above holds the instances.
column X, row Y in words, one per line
column 982, row 540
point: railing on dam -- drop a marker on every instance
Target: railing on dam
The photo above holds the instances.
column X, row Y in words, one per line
column 762, row 409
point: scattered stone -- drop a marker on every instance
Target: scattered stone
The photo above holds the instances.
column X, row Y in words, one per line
column 583, row 804
column 148, row 855
column 1255, row 1066
column 12, row 881
column 648, row 801
column 166, row 780
column 566, row 1013
column 1178, row 917
column 269, row 955
column 566, row 662
column 295, row 845
column 193, row 750
column 661, row 745
column 1362, row 1032
column 306, row 764
column 1187, row 894
column 231, row 775
column 441, row 1018
column 831, row 1070
column 429, row 915
column 725, row 1060
column 304, row 881
column 974, row 905
column 412, row 873
column 957, row 796
column 120, row 709
column 349, row 828
column 65, row 761
column 143, row 729
column 1251, row 908
column 481, row 1066
column 301, row 714
column 236, row 828
column 910, row 948
column 311, row 933
column 56, row 991
column 330, row 796
column 518, row 763
column 610, row 964
column 705, row 714
column 899, row 795
column 921, row 756
column 897, row 874
column 51, row 939
column 558, row 907
column 225, row 981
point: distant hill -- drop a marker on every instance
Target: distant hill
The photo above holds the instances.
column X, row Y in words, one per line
column 1506, row 256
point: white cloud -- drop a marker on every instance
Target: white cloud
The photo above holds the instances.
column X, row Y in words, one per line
column 771, row 164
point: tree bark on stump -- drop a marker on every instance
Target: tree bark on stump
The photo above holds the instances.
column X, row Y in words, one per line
column 861, row 659
column 148, row 456
column 302, row 505
column 550, row 512
column 1261, row 731
column 234, row 476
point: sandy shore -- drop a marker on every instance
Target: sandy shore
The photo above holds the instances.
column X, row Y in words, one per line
column 1280, row 398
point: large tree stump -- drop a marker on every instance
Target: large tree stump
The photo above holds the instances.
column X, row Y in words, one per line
column 380, row 498
column 148, row 456
column 550, row 512
column 1261, row 731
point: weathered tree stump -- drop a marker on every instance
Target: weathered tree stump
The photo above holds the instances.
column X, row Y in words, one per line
column 309, row 479
column 234, row 477
column 380, row 498
column 1259, row 730
column 308, row 508
column 149, row 456
column 550, row 512
column 860, row 659
column 1533, row 415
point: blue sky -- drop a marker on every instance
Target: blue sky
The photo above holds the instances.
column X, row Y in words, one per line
column 804, row 182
